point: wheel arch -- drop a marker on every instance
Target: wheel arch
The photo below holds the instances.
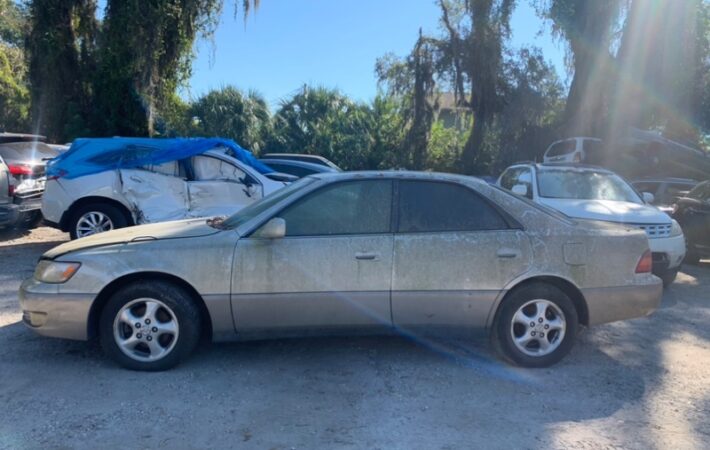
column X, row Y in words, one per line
column 113, row 287
column 64, row 223
column 566, row 286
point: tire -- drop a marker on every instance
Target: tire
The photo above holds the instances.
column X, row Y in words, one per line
column 669, row 277
column 28, row 220
column 150, row 347
column 116, row 218
column 559, row 325
column 692, row 257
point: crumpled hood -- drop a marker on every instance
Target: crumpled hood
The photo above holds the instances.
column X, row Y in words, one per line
column 608, row 210
column 164, row 230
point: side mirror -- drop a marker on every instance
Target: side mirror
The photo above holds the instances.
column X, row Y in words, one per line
column 648, row 197
column 273, row 229
column 520, row 189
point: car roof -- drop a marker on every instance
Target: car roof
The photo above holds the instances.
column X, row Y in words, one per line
column 296, row 163
column 20, row 137
column 570, row 166
column 665, row 180
column 322, row 160
column 398, row 175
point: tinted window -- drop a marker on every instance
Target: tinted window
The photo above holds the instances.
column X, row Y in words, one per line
column 675, row 191
column 292, row 170
column 524, row 178
column 435, row 207
column 562, row 148
column 701, row 191
column 507, row 180
column 27, row 151
column 353, row 207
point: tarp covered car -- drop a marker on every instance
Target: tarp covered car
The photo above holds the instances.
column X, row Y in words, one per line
column 107, row 183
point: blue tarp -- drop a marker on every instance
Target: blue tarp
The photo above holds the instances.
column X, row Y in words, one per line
column 95, row 155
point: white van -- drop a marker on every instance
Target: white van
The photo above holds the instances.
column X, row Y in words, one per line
column 574, row 150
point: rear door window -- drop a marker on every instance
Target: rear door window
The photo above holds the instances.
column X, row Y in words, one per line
column 439, row 207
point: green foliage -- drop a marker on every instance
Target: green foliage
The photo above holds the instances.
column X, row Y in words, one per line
column 14, row 94
column 61, row 51
column 445, row 147
column 113, row 78
column 323, row 122
column 225, row 112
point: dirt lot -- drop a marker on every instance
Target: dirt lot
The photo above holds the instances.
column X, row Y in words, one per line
column 639, row 384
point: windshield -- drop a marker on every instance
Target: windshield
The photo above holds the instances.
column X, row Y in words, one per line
column 584, row 185
column 246, row 214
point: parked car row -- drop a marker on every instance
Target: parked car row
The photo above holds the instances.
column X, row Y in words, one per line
column 549, row 249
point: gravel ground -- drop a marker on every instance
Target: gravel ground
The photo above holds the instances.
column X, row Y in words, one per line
column 641, row 384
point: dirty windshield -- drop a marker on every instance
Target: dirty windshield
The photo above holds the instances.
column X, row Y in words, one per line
column 584, row 185
column 253, row 210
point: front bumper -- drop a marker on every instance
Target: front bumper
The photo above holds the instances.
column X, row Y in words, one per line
column 610, row 304
column 51, row 313
column 668, row 253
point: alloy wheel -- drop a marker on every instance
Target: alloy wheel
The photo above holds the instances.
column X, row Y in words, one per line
column 93, row 222
column 146, row 329
column 538, row 327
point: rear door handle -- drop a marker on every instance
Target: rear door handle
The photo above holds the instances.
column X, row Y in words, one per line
column 366, row 256
column 507, row 253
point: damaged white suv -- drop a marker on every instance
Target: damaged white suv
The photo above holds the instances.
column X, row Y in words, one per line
column 212, row 183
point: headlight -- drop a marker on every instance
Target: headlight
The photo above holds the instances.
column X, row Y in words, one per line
column 676, row 230
column 55, row 271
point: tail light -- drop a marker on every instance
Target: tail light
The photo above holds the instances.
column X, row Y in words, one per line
column 20, row 169
column 645, row 264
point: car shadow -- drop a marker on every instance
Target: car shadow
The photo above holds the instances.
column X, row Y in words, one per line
column 327, row 385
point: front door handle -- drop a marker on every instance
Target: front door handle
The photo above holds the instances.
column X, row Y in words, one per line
column 507, row 253
column 363, row 256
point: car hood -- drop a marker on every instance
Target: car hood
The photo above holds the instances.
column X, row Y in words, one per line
column 156, row 231
column 608, row 210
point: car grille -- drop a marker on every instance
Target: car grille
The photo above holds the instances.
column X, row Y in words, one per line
column 655, row 230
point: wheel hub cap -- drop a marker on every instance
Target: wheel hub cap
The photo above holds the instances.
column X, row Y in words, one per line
column 93, row 222
column 146, row 329
column 538, row 327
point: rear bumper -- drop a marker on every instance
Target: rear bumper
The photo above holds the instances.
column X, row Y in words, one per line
column 610, row 304
column 50, row 313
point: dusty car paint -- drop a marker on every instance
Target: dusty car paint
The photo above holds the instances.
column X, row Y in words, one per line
column 432, row 284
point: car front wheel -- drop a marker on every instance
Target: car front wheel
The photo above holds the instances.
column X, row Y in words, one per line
column 150, row 326
column 96, row 218
column 536, row 326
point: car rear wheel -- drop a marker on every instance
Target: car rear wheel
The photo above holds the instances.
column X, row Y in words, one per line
column 536, row 326
column 150, row 326
column 96, row 218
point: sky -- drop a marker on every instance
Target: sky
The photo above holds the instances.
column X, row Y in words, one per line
column 332, row 43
